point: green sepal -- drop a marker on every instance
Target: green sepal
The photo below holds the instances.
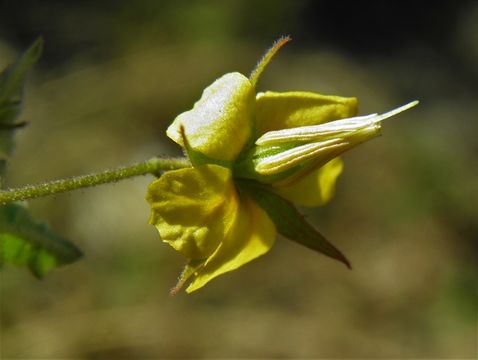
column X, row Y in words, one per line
column 27, row 243
column 191, row 267
column 244, row 167
column 11, row 92
column 197, row 158
column 289, row 222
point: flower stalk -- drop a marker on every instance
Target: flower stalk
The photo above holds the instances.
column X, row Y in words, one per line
column 154, row 166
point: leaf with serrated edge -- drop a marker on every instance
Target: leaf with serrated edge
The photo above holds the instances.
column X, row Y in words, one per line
column 11, row 93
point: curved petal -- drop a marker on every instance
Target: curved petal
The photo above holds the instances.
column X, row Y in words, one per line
column 285, row 110
column 220, row 123
column 315, row 188
column 251, row 236
column 194, row 208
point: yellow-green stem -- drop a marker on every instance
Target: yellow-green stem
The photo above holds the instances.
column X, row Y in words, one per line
column 152, row 166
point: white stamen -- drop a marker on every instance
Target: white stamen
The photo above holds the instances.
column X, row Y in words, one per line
column 396, row 111
column 289, row 158
column 330, row 129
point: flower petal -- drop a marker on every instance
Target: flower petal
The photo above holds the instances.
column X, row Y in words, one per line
column 251, row 236
column 285, row 110
column 194, row 208
column 314, row 189
column 220, row 123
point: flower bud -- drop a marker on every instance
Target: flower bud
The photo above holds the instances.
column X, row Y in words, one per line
column 285, row 154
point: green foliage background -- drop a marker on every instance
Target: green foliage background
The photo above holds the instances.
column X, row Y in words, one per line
column 24, row 241
column 115, row 74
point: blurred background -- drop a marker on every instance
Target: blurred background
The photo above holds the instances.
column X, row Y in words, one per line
column 114, row 74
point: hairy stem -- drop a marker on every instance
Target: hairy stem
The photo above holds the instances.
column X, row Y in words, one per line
column 152, row 166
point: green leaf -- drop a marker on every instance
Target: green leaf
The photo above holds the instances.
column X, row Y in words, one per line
column 11, row 94
column 25, row 242
column 289, row 222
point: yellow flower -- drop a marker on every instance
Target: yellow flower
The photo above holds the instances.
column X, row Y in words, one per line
column 200, row 213
column 252, row 155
